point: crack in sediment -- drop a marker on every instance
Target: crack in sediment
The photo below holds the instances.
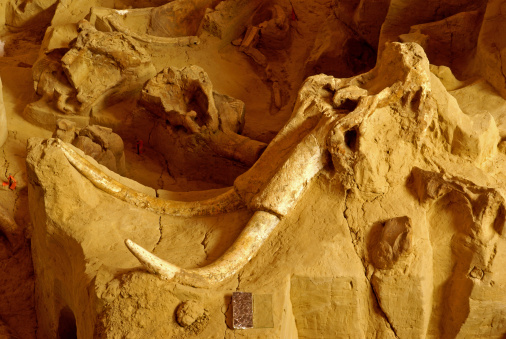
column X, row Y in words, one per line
column 6, row 164
column 438, row 8
column 351, row 30
column 383, row 314
column 500, row 61
column 204, row 244
column 238, row 281
column 16, row 199
column 160, row 181
column 452, row 56
column 169, row 173
column 160, row 230
column 354, row 236
column 151, row 132
column 225, row 318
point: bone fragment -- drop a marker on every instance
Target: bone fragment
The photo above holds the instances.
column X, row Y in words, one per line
column 239, row 254
column 152, row 39
column 249, row 39
column 235, row 146
column 223, row 203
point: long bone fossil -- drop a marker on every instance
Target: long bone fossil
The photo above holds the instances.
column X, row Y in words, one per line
column 278, row 195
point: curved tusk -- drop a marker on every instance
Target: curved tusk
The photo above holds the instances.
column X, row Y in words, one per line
column 223, row 203
column 239, row 254
column 152, row 262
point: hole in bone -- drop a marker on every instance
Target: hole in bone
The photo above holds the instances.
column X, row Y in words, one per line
column 198, row 102
column 177, row 127
column 351, row 139
column 415, row 101
column 326, row 92
column 348, row 105
column 22, row 6
column 67, row 328
column 500, row 220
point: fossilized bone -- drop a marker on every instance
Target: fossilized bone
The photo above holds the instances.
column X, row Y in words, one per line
column 285, row 189
column 475, row 240
column 280, row 193
column 276, row 200
column 225, row 202
column 175, row 23
column 308, row 156
column 185, row 99
column 244, row 248
column 152, row 39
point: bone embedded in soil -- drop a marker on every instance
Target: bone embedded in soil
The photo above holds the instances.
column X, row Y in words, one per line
column 338, row 165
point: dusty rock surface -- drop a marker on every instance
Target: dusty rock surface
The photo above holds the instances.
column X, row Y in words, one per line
column 366, row 201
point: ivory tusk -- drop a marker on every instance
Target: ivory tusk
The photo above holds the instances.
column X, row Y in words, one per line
column 244, row 248
column 151, row 261
column 223, row 203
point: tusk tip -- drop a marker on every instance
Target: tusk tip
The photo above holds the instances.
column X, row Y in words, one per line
column 151, row 261
column 132, row 246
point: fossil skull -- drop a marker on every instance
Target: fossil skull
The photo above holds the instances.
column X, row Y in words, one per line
column 316, row 136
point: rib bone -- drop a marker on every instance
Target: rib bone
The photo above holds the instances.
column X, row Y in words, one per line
column 226, row 202
column 243, row 249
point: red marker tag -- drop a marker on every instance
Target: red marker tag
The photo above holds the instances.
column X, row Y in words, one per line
column 12, row 183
